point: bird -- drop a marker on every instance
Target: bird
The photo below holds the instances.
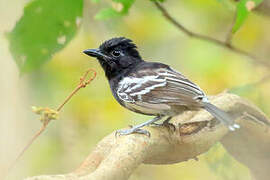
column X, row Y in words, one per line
column 150, row 88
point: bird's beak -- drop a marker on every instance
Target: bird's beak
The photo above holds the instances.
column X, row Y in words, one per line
column 94, row 53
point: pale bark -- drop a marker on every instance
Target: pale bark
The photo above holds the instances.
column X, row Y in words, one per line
column 115, row 158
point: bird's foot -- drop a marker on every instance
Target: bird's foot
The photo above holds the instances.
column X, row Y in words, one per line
column 137, row 128
column 131, row 131
column 165, row 123
column 169, row 125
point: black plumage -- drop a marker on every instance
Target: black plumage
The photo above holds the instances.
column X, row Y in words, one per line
column 148, row 87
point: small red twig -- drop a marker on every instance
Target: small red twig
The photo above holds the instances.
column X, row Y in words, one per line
column 47, row 114
column 83, row 83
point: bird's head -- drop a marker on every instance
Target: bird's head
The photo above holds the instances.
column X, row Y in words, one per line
column 116, row 55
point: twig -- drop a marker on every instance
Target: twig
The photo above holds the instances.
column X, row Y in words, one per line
column 83, row 83
column 207, row 38
column 254, row 84
column 44, row 125
column 230, row 34
column 261, row 81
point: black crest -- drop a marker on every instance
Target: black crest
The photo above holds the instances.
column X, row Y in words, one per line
column 116, row 56
column 120, row 43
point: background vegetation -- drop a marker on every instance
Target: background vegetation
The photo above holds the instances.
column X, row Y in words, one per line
column 41, row 45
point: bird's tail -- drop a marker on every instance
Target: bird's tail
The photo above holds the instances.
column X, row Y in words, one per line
column 221, row 116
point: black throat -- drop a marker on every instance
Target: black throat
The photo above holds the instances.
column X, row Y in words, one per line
column 114, row 69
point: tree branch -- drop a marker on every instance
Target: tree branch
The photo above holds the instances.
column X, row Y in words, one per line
column 264, row 8
column 115, row 158
column 220, row 43
column 230, row 34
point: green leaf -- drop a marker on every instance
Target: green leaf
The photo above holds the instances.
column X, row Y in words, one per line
column 95, row 1
column 126, row 5
column 107, row 13
column 243, row 8
column 119, row 8
column 45, row 28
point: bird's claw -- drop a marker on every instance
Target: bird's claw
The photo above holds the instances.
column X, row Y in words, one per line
column 131, row 131
column 169, row 125
column 165, row 124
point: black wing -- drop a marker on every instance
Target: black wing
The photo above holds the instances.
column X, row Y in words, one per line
column 159, row 85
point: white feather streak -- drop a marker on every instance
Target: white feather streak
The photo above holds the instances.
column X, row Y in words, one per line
column 148, row 89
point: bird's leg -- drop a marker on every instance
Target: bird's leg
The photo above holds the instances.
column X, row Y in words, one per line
column 157, row 124
column 167, row 123
column 136, row 129
column 162, row 123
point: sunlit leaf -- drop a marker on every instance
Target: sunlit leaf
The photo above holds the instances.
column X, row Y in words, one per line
column 119, row 8
column 126, row 4
column 107, row 13
column 45, row 28
column 244, row 7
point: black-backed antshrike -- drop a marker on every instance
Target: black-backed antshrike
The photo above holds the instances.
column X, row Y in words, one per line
column 150, row 88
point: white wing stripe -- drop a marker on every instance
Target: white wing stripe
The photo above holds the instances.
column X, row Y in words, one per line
column 166, row 74
column 139, row 81
column 130, row 80
column 132, row 84
column 148, row 89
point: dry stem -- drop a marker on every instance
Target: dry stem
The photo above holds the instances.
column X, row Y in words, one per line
column 83, row 83
column 225, row 44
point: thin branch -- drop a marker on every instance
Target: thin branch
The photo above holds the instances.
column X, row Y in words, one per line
column 45, row 122
column 83, row 83
column 43, row 127
column 207, row 38
column 261, row 81
column 231, row 33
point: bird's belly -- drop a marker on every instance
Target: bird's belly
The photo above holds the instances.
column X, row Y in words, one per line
column 149, row 109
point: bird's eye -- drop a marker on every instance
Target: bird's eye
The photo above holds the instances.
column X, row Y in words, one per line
column 116, row 53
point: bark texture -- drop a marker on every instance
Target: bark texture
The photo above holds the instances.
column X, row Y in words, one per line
column 115, row 158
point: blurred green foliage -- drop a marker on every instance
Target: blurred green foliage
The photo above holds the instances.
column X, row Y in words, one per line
column 225, row 166
column 45, row 28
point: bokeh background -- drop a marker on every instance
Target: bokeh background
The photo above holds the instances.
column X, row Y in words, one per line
column 93, row 113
